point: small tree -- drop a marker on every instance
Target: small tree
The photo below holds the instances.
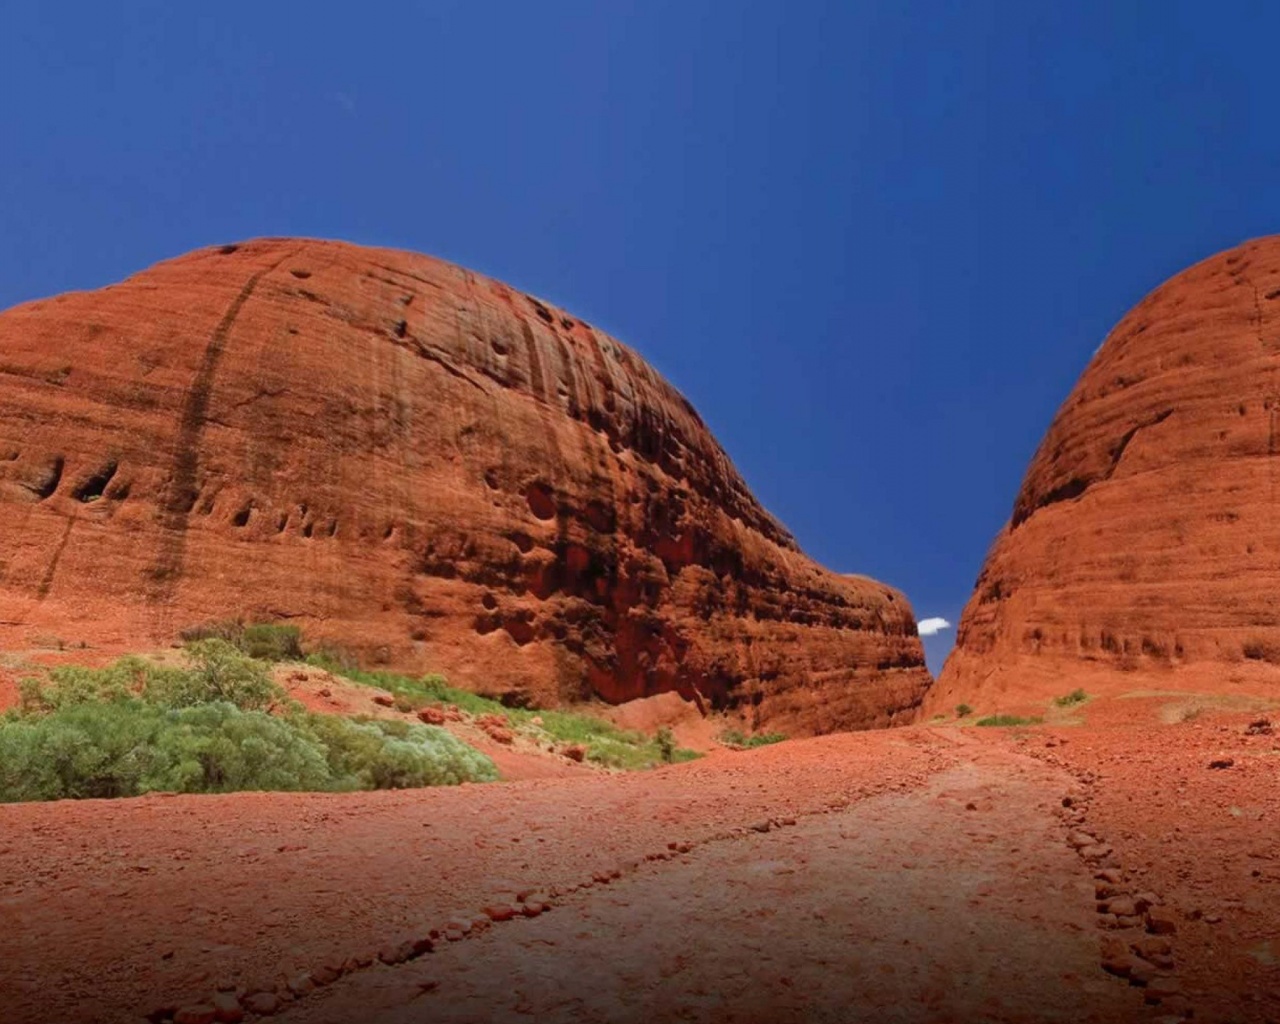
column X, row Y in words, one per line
column 219, row 672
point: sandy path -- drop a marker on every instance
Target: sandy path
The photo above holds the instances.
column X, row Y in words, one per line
column 956, row 901
column 112, row 909
column 921, row 874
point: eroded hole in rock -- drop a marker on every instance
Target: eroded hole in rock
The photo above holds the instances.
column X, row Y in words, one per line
column 9, row 454
column 119, row 490
column 499, row 346
column 541, row 502
column 206, row 508
column 332, row 528
column 601, row 517
column 46, row 482
column 1274, row 294
column 186, row 501
column 301, row 275
column 541, row 310
column 543, row 580
column 520, row 630
column 308, row 529
column 489, row 601
column 491, row 479
column 406, row 300
column 389, row 532
column 402, row 328
column 95, row 485
column 523, row 541
column 241, row 518
column 227, row 250
column 566, row 323
column 282, row 522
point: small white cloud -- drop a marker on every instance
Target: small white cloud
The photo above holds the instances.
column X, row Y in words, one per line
column 932, row 627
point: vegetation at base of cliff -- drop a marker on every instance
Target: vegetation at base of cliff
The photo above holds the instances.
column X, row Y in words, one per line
column 1070, row 699
column 741, row 741
column 218, row 725
column 606, row 744
column 1006, row 720
column 963, row 711
column 269, row 641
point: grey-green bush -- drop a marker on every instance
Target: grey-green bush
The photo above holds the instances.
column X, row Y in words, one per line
column 135, row 727
column 130, row 747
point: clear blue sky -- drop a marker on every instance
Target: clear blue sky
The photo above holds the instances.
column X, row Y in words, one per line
column 874, row 243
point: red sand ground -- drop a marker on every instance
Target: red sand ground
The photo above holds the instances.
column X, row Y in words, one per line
column 922, row 874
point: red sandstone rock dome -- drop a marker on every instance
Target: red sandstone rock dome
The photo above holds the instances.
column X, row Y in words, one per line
column 418, row 463
column 1145, row 538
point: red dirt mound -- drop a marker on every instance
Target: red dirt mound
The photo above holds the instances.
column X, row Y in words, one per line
column 420, row 464
column 1144, row 538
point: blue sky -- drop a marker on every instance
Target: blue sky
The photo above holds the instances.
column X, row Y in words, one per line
column 874, row 243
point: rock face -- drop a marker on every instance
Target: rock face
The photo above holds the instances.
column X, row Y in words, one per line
column 1145, row 537
column 421, row 465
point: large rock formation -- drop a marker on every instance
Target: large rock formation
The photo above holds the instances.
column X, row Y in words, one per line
column 420, row 464
column 1146, row 535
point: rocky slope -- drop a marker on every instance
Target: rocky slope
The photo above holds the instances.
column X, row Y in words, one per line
column 419, row 464
column 1145, row 537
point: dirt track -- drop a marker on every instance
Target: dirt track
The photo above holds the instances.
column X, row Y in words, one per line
column 916, row 875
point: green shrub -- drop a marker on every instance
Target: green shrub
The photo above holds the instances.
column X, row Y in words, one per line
column 218, row 671
column 81, row 750
column 269, row 641
column 1074, row 697
column 135, row 727
column 219, row 748
column 1004, row 720
column 129, row 747
column 224, row 629
column 666, row 744
column 272, row 642
column 963, row 711
column 71, row 686
column 377, row 754
column 741, row 741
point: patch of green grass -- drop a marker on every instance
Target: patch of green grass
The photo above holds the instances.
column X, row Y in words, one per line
column 416, row 691
column 606, row 744
column 135, row 728
column 741, row 741
column 1070, row 699
column 1007, row 720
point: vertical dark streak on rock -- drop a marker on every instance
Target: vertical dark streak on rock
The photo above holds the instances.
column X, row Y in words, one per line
column 537, row 381
column 180, row 496
column 46, row 583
